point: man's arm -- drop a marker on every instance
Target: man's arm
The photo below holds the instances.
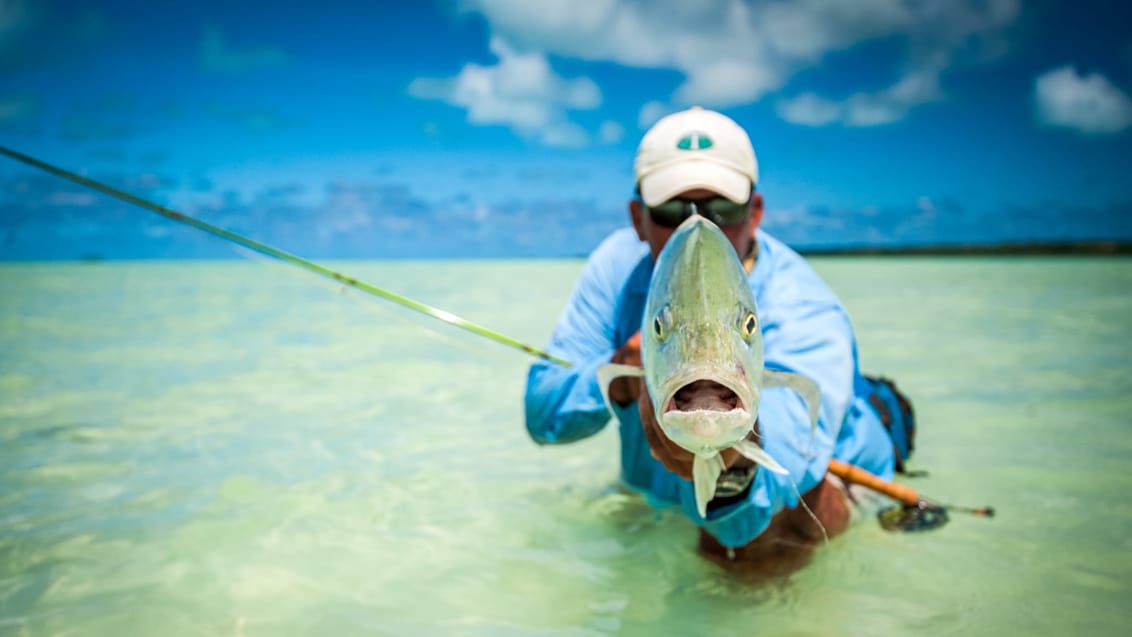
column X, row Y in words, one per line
column 564, row 404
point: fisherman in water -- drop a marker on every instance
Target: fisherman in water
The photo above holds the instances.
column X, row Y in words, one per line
column 701, row 162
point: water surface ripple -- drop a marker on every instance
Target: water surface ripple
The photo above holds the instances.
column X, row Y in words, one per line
column 230, row 448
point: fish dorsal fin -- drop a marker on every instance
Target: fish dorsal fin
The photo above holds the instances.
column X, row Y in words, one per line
column 705, row 473
column 805, row 387
column 758, row 455
column 609, row 372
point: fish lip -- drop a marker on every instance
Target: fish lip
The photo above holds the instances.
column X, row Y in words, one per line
column 676, row 383
column 700, row 429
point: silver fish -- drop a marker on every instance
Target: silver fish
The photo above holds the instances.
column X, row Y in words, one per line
column 702, row 354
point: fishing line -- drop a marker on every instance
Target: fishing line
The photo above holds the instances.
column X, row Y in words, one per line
column 281, row 255
column 813, row 516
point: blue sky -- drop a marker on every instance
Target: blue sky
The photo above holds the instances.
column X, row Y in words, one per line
column 497, row 128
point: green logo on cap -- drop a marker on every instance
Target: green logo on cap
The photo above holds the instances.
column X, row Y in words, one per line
column 694, row 141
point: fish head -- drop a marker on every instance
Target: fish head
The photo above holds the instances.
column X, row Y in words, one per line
column 701, row 344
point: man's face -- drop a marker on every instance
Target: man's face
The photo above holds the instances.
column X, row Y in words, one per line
column 740, row 234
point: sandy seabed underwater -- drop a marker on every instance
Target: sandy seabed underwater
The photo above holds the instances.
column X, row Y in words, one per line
column 239, row 448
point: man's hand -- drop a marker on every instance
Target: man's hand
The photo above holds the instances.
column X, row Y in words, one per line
column 624, row 390
column 787, row 544
column 675, row 458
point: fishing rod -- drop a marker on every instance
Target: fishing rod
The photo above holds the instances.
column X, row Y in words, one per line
column 286, row 257
column 916, row 513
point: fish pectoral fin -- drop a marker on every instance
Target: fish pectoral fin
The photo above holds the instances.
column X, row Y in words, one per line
column 805, row 387
column 705, row 473
column 750, row 450
column 609, row 372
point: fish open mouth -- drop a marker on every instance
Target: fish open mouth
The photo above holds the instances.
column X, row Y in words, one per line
column 704, row 395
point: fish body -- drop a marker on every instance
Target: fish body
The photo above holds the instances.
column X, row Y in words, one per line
column 702, row 353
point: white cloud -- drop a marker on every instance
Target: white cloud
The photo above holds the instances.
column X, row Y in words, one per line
column 563, row 134
column 158, row 232
column 1088, row 104
column 810, row 29
column 76, row 199
column 809, row 109
column 893, row 103
column 938, row 35
column 734, row 52
column 346, row 212
column 521, row 92
column 862, row 109
column 925, row 205
column 651, row 112
column 610, row 132
column 727, row 82
column 220, row 57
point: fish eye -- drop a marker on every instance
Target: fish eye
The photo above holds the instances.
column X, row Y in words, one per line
column 750, row 324
column 661, row 322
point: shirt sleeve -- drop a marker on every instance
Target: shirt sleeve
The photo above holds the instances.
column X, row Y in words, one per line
column 809, row 334
column 564, row 404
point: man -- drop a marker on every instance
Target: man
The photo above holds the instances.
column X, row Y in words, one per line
column 700, row 161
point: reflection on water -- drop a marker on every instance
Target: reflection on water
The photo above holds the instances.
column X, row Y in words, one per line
column 226, row 448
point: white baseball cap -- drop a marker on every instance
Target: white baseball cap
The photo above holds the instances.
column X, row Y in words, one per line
column 696, row 148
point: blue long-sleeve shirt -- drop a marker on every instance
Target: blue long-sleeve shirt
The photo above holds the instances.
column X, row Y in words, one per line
column 805, row 330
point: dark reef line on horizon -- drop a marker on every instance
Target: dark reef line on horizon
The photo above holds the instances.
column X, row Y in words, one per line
column 1021, row 248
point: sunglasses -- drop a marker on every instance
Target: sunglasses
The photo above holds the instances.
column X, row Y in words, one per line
column 719, row 210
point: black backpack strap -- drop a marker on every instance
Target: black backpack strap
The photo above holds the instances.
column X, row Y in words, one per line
column 895, row 412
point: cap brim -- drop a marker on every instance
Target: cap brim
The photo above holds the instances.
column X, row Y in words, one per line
column 667, row 182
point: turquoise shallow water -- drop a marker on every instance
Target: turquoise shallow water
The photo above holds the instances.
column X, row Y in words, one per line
column 237, row 448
